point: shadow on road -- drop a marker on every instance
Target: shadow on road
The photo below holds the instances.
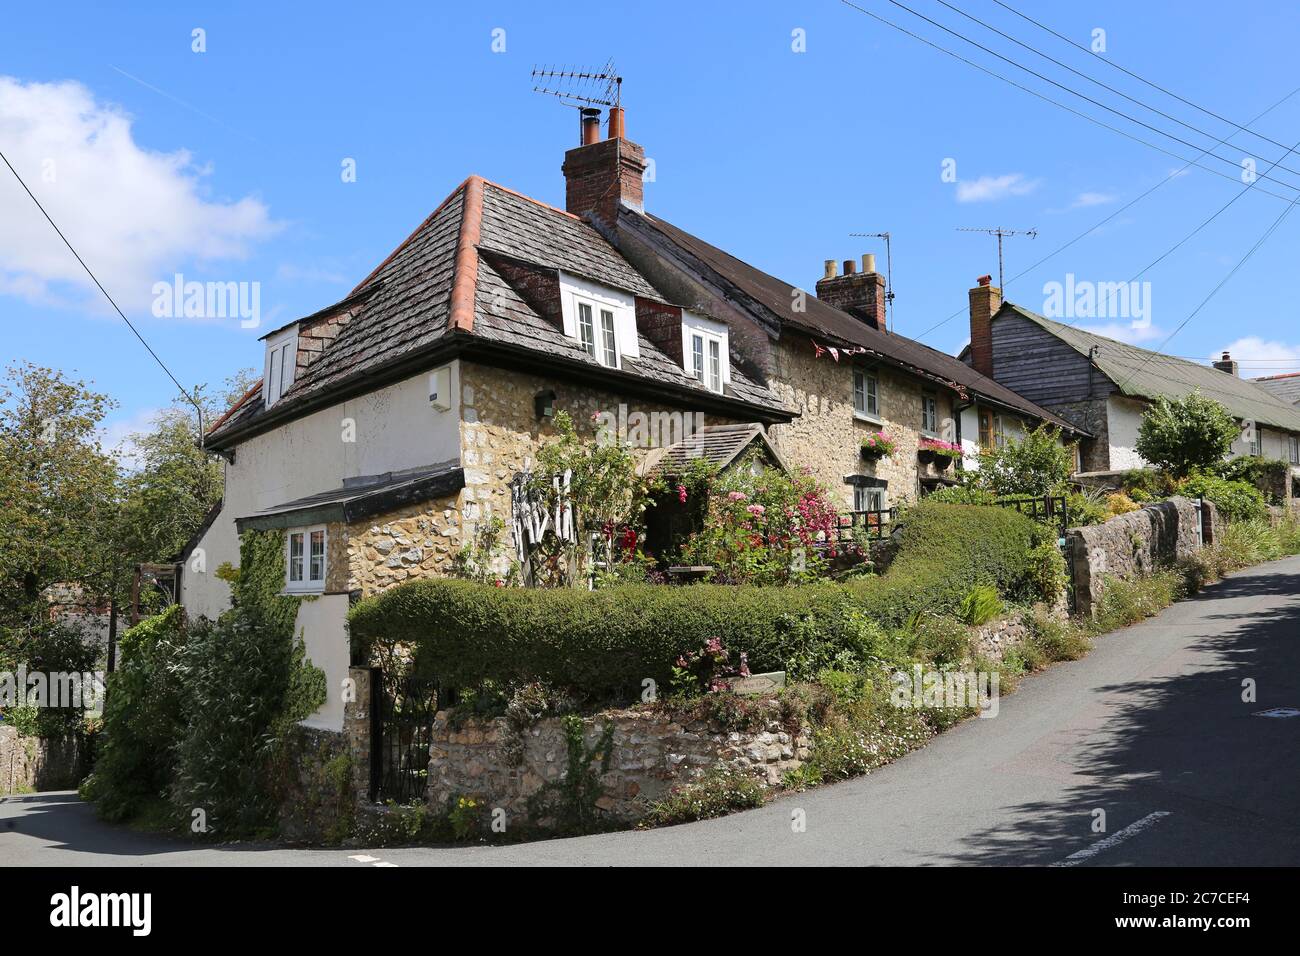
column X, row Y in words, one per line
column 1187, row 744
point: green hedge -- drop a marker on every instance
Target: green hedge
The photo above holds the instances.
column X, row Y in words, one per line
column 601, row 643
column 605, row 643
column 947, row 549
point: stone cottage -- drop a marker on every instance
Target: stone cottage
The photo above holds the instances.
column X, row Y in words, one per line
column 388, row 425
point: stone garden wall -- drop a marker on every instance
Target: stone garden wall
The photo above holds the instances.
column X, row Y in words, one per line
column 38, row 763
column 652, row 752
column 1156, row 536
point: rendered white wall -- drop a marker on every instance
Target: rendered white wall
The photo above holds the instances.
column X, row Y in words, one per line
column 322, row 624
column 395, row 428
column 1124, row 415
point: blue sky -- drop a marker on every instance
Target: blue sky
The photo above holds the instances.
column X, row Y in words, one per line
column 225, row 165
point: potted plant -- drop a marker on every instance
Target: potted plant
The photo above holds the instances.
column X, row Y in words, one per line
column 877, row 445
column 934, row 451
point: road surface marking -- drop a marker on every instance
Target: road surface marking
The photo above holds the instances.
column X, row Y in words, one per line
column 382, row 863
column 1115, row 839
column 362, row 858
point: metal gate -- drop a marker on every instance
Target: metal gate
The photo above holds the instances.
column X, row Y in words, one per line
column 400, row 752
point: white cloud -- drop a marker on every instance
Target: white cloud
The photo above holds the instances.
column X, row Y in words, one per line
column 1269, row 358
column 1087, row 200
column 135, row 215
column 1132, row 333
column 993, row 188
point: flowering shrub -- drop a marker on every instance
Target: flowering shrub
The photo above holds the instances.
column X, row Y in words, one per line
column 708, row 669
column 765, row 527
column 878, row 445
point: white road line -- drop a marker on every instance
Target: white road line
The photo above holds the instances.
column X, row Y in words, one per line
column 362, row 858
column 1115, row 839
column 382, row 863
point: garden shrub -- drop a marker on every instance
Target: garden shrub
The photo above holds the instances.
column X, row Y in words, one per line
column 602, row 643
column 718, row 792
column 1236, row 500
column 143, row 718
column 981, row 605
column 1126, row 602
column 944, row 550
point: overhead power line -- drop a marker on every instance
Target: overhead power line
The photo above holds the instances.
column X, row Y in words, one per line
column 1062, row 86
column 1057, row 103
column 1094, row 80
column 1155, row 86
column 148, row 348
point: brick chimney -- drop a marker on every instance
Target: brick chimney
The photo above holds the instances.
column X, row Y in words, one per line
column 600, row 175
column 985, row 300
column 861, row 294
column 1226, row 364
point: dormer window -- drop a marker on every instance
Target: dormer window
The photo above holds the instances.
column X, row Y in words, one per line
column 281, row 362
column 601, row 319
column 705, row 351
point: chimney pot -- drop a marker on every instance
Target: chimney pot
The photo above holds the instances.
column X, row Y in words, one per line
column 869, row 262
column 985, row 280
column 590, row 126
column 850, row 267
column 832, row 269
column 1226, row 364
column 616, row 122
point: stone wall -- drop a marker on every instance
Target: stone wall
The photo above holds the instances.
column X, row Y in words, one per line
column 827, row 436
column 324, row 781
column 1133, row 544
column 501, row 433
column 414, row 542
column 38, row 763
column 652, row 752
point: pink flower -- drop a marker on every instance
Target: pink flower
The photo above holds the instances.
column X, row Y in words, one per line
column 736, row 496
column 681, row 493
column 756, row 509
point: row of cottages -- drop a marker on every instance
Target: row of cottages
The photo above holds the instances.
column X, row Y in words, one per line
column 1103, row 386
column 388, row 425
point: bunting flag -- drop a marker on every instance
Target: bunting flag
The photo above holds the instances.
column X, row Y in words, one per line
column 817, row 349
column 835, row 354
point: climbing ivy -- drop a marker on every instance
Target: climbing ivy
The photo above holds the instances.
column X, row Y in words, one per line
column 570, row 802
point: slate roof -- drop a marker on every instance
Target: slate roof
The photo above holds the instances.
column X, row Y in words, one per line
column 767, row 294
column 719, row 444
column 404, row 309
column 1145, row 374
column 359, row 498
column 1285, row 387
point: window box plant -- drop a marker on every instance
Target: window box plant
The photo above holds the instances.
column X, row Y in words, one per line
column 934, row 451
column 877, row 445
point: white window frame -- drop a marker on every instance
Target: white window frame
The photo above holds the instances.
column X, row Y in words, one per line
column 1293, row 449
column 281, row 357
column 587, row 325
column 929, row 414
column 608, row 338
column 868, row 498
column 866, row 394
column 307, row 583
column 711, row 335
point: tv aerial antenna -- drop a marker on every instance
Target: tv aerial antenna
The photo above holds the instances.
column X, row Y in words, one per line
column 1001, row 234
column 889, row 271
column 581, row 89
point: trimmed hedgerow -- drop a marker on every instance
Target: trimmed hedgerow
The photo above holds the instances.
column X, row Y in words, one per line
column 602, row 643
column 945, row 550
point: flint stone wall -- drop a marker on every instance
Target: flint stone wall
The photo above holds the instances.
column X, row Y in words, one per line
column 652, row 753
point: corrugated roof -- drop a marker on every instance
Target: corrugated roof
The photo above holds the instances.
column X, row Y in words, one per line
column 1285, row 387
column 819, row 319
column 1146, row 374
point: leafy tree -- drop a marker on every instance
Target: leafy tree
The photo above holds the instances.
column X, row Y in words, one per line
column 1032, row 466
column 1186, row 434
column 57, row 486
